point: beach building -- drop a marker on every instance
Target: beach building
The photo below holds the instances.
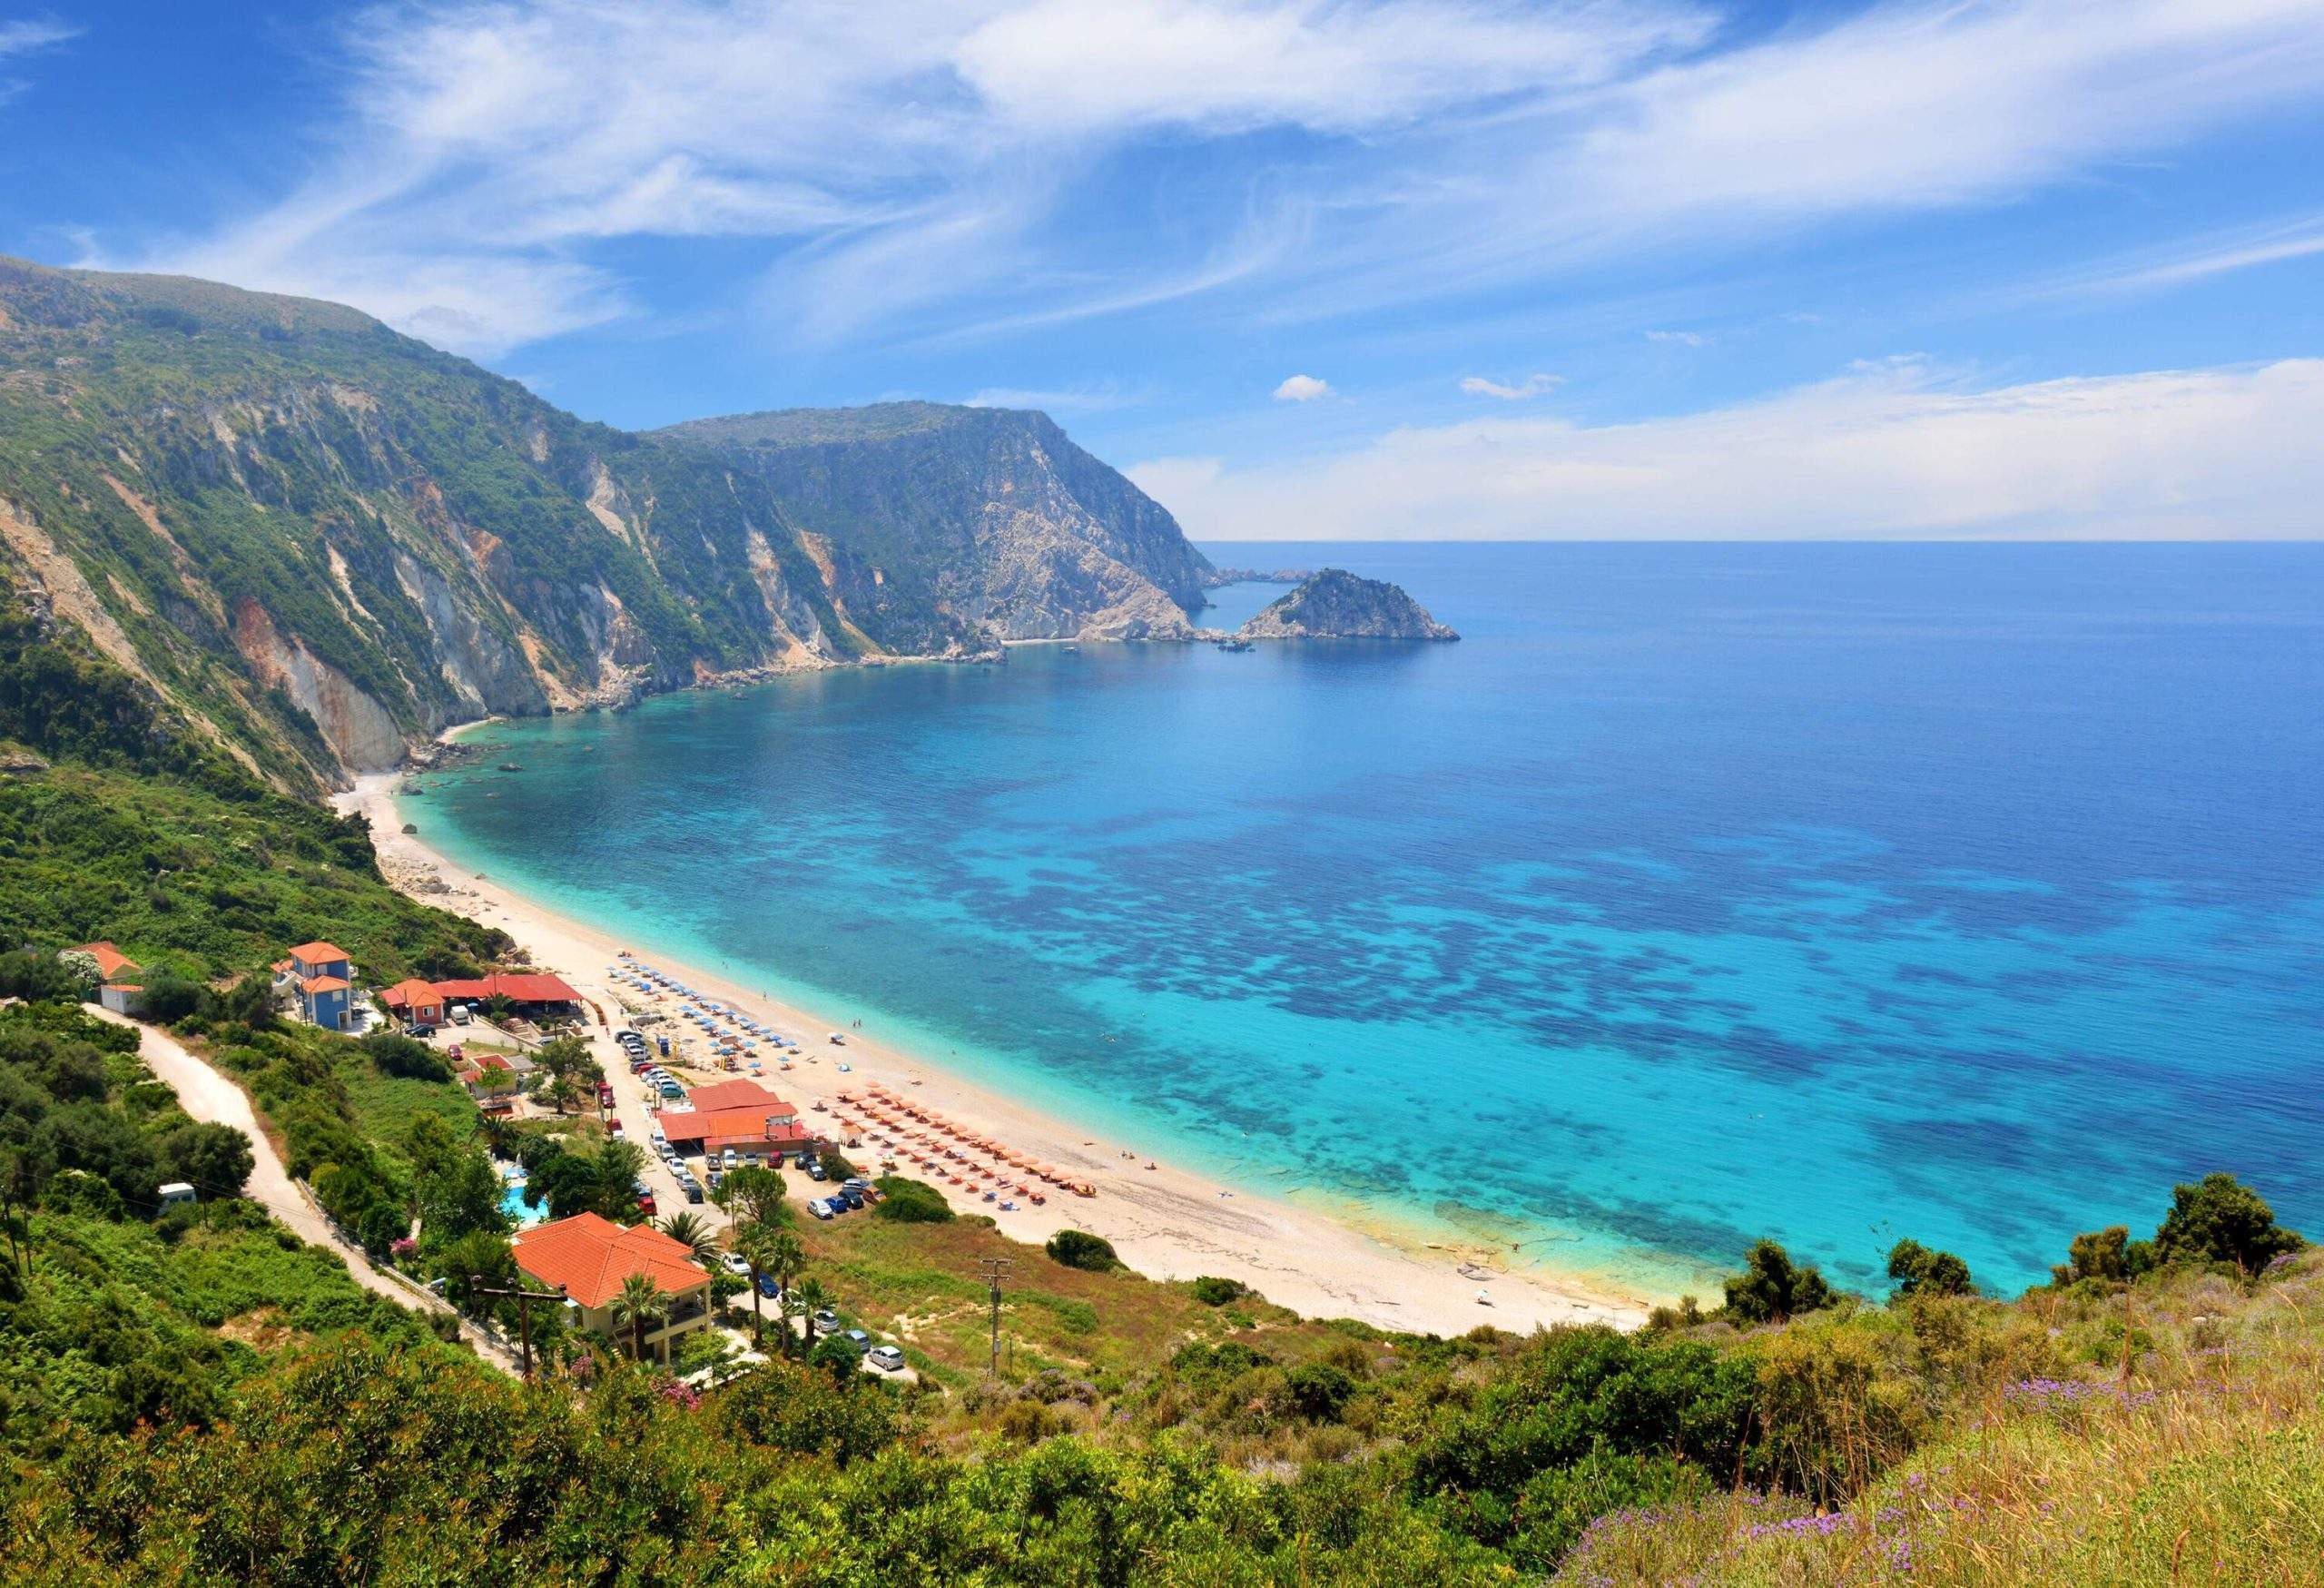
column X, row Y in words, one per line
column 320, row 983
column 536, row 995
column 416, row 1003
column 177, row 1193
column 739, row 1114
column 589, row 1257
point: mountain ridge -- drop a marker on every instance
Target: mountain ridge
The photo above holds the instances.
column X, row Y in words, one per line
column 322, row 542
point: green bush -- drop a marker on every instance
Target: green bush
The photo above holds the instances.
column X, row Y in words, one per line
column 1078, row 1248
column 910, row 1201
column 1216, row 1292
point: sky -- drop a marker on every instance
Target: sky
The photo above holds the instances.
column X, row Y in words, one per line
column 1304, row 269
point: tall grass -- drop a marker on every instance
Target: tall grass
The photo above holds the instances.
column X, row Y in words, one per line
column 2196, row 1458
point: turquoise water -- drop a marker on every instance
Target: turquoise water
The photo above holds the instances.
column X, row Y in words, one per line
column 1832, row 893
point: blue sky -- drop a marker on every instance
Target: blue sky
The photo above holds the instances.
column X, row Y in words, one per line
column 1305, row 268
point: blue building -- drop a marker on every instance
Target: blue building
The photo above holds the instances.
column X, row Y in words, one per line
column 321, row 982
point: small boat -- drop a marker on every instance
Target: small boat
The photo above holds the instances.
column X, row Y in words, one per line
column 1234, row 645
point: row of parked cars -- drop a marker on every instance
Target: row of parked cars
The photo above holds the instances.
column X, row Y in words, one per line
column 853, row 1194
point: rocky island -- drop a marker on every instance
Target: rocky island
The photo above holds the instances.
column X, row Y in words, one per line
column 1337, row 605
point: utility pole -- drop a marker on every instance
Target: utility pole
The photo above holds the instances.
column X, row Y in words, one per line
column 524, row 1299
column 994, row 1270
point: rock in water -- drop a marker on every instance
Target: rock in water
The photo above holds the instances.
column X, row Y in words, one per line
column 1337, row 605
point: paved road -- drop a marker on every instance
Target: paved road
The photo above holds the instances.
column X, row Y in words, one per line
column 213, row 1099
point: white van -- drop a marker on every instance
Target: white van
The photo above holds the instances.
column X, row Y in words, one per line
column 459, row 1013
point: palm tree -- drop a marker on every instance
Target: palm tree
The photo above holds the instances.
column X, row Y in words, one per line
column 499, row 1133
column 639, row 1304
column 801, row 1300
column 687, row 1227
column 755, row 1245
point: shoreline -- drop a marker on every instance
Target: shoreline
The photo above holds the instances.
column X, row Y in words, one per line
column 1165, row 1222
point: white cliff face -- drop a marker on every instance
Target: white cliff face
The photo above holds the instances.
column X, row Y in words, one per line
column 990, row 515
column 272, row 509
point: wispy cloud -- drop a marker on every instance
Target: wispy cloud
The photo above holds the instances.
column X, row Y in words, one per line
column 1100, row 398
column 1531, row 386
column 919, row 169
column 24, row 37
column 1301, row 389
column 1894, row 450
column 2217, row 253
column 1684, row 339
column 18, row 37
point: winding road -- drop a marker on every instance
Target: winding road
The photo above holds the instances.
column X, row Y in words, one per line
column 213, row 1099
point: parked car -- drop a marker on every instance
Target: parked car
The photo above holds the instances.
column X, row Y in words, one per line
column 852, row 1196
column 733, row 1264
column 693, row 1190
column 816, row 1172
column 731, row 1158
column 859, row 1339
column 645, row 1203
column 769, row 1288
column 820, row 1208
column 826, row 1321
column 886, row 1358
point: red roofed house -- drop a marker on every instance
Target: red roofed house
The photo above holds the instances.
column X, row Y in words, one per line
column 111, row 961
column 415, row 1002
column 589, row 1257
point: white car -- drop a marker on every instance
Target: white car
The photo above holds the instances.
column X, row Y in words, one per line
column 735, row 1265
column 886, row 1358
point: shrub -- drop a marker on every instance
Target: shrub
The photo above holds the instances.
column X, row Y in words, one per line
column 2108, row 1255
column 1320, row 1392
column 1078, row 1248
column 397, row 1055
column 1771, row 1288
column 1919, row 1271
column 1212, row 1291
column 2222, row 1221
column 909, row 1201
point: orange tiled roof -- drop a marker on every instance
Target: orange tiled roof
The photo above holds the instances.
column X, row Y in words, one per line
column 111, row 961
column 317, row 953
column 410, row 992
column 703, row 1123
column 738, row 1094
column 323, row 984
column 590, row 1257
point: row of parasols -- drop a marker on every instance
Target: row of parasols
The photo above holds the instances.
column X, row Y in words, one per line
column 934, row 1144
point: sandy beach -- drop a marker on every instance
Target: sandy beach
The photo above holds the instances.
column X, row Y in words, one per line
column 1163, row 1220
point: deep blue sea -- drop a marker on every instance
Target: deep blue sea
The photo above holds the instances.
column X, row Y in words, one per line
column 1835, row 893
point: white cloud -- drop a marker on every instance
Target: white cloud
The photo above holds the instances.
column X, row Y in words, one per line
column 1232, row 65
column 1889, row 451
column 1301, row 389
column 1531, row 386
column 930, row 167
column 18, row 37
column 1101, row 398
column 2217, row 254
column 1684, row 339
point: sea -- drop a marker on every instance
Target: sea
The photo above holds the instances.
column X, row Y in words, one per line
column 1701, row 892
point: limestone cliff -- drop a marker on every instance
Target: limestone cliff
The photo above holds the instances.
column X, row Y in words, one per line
column 992, row 513
column 1336, row 605
column 320, row 541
